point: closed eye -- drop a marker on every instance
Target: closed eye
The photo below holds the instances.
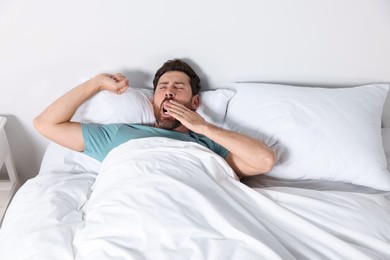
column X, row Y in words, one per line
column 179, row 85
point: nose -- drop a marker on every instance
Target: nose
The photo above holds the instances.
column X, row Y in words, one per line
column 169, row 95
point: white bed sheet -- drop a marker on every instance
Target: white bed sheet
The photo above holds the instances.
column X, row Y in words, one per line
column 53, row 216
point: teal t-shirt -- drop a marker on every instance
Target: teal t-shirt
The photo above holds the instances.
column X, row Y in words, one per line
column 99, row 139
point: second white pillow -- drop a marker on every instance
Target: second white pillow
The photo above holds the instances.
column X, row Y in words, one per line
column 318, row 133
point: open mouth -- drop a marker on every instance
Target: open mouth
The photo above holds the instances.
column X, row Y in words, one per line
column 165, row 112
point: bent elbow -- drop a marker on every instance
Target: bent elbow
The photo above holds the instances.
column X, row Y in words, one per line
column 263, row 166
column 272, row 160
column 269, row 162
column 39, row 125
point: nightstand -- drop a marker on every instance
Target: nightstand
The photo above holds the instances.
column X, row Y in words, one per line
column 7, row 187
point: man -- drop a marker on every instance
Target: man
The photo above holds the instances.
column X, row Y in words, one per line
column 176, row 89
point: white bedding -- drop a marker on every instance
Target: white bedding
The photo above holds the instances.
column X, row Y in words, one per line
column 159, row 198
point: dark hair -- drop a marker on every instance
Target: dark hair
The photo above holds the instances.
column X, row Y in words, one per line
column 178, row 65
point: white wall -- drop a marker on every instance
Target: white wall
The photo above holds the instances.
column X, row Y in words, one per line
column 47, row 46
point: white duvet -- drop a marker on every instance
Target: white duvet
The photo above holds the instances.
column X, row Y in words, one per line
column 159, row 198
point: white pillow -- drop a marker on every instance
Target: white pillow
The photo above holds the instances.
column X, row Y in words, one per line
column 213, row 105
column 386, row 145
column 318, row 133
column 135, row 106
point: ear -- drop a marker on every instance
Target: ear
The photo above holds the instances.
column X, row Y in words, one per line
column 195, row 102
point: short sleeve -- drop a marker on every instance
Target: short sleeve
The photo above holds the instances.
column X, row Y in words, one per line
column 98, row 139
column 220, row 150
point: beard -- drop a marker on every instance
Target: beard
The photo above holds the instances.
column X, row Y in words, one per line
column 162, row 120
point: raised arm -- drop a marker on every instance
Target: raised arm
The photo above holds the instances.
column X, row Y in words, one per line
column 54, row 122
column 247, row 156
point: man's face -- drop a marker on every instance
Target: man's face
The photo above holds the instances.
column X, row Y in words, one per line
column 172, row 85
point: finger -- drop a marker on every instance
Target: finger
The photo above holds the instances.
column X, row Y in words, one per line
column 124, row 82
column 118, row 77
column 174, row 110
column 122, row 85
column 184, row 116
column 177, row 105
column 121, row 90
column 177, row 110
column 121, row 81
column 114, row 77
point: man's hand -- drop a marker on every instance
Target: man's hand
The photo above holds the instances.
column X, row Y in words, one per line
column 189, row 118
column 116, row 83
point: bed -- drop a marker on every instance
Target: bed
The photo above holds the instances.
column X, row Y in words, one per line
column 156, row 198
